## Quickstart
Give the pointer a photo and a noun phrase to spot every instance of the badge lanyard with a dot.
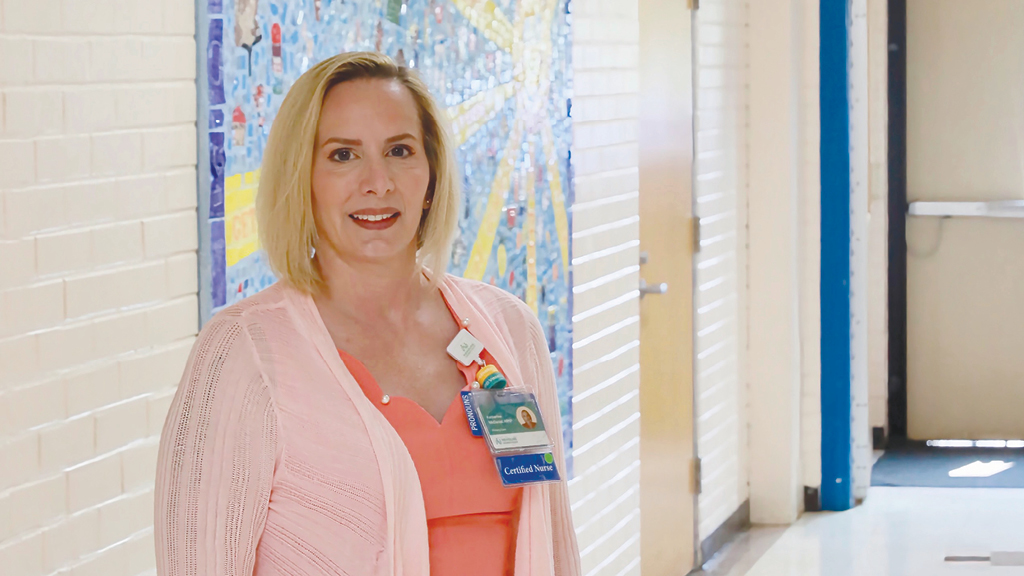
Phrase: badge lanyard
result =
(509, 420)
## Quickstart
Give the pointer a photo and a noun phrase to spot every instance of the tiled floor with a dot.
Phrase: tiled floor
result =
(895, 532)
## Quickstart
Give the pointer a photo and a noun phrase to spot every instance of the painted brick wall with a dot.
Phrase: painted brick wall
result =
(97, 273)
(98, 276)
(605, 491)
(720, 297)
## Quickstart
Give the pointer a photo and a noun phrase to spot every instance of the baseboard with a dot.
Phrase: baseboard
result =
(878, 438)
(737, 523)
(812, 499)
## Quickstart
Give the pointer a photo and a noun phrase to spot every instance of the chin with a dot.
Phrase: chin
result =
(378, 253)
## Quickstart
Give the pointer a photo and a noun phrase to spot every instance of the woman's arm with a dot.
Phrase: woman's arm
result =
(564, 546)
(216, 459)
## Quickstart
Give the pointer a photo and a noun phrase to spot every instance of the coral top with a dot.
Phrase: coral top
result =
(470, 515)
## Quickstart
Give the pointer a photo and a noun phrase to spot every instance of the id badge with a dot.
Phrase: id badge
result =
(511, 422)
(509, 419)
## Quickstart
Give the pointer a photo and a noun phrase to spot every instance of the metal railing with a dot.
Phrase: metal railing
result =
(993, 209)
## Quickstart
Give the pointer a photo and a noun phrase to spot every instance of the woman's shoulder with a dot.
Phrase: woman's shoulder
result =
(262, 309)
(491, 299)
(506, 308)
(255, 307)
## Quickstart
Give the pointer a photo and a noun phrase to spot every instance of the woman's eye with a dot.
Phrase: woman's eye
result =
(400, 152)
(342, 155)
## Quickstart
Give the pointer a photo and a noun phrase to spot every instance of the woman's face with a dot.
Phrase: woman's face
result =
(370, 172)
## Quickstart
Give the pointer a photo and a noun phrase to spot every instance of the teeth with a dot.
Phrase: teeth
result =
(377, 218)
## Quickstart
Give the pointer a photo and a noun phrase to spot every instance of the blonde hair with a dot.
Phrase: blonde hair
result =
(284, 203)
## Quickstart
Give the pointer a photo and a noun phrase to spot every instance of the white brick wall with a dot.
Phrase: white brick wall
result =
(720, 298)
(97, 273)
(605, 491)
(98, 283)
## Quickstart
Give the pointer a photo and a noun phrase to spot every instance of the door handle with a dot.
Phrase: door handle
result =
(652, 288)
(646, 288)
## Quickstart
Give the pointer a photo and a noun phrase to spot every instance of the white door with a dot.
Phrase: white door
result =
(965, 274)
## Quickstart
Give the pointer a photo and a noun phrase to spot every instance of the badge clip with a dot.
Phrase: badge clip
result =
(466, 349)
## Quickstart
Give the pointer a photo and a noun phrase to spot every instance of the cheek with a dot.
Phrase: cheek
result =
(327, 187)
(416, 178)
(327, 195)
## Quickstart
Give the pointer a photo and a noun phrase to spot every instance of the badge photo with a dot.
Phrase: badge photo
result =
(510, 419)
(526, 417)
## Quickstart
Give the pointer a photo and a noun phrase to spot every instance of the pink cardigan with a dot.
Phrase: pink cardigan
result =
(272, 461)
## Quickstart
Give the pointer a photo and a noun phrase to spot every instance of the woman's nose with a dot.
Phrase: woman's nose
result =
(377, 179)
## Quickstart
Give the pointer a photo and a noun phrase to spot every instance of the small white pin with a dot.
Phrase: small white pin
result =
(385, 400)
(465, 322)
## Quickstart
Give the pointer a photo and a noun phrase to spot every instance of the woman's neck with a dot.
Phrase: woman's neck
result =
(388, 291)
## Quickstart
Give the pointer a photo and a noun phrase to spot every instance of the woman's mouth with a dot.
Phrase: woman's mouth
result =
(375, 221)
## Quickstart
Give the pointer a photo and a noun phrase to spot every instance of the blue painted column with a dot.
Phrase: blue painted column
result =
(836, 392)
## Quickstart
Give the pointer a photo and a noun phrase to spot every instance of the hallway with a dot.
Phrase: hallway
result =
(760, 238)
(895, 532)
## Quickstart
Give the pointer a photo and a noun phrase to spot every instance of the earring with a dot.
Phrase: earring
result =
(312, 252)
(427, 203)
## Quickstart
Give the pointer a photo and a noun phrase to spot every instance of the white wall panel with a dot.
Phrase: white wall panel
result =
(720, 187)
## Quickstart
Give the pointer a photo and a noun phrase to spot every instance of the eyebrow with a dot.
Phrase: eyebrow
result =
(351, 142)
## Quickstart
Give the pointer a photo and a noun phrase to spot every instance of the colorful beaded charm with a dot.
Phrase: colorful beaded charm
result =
(490, 378)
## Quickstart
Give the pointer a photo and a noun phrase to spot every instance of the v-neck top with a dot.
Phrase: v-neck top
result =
(470, 514)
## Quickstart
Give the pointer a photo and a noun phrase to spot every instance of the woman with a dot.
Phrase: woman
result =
(318, 428)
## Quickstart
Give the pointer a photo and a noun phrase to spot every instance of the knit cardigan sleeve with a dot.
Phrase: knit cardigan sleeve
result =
(216, 459)
(537, 368)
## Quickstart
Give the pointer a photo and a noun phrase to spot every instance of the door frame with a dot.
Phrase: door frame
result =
(698, 545)
(897, 167)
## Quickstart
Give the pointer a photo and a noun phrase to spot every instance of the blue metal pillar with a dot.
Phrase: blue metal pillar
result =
(836, 391)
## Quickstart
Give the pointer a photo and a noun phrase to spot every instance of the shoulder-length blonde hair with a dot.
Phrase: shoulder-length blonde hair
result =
(284, 203)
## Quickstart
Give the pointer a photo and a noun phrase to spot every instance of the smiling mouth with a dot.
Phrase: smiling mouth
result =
(373, 218)
(375, 221)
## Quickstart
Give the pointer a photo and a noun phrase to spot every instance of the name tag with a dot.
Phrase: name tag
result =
(474, 424)
(522, 469)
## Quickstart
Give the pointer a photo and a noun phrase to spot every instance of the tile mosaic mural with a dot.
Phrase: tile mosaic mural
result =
(502, 68)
